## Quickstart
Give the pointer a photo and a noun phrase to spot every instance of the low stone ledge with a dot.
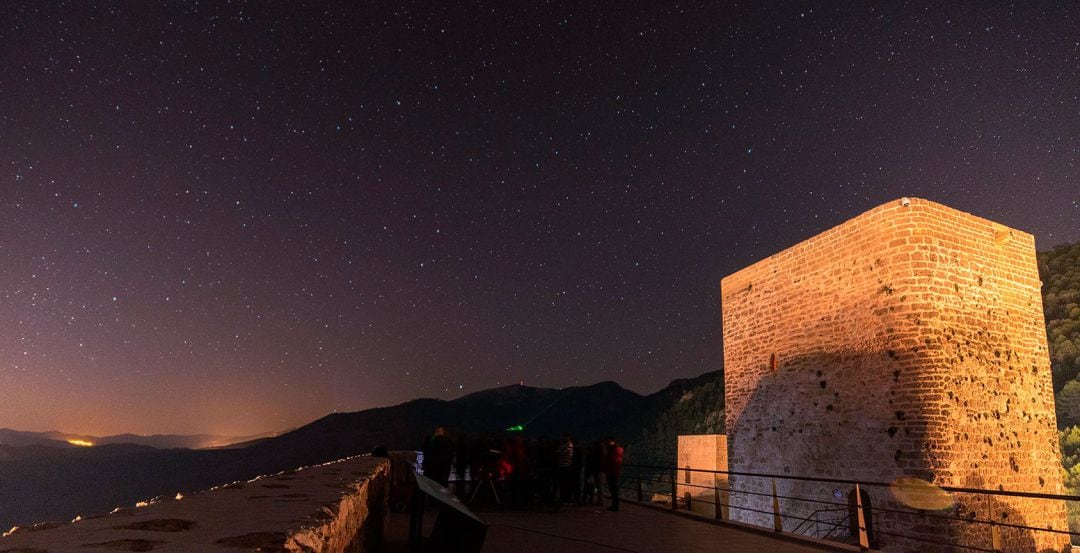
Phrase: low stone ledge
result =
(337, 507)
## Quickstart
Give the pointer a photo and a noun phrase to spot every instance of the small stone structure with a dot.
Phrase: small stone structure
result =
(338, 507)
(703, 490)
(908, 341)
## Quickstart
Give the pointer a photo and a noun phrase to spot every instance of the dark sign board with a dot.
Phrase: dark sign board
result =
(456, 529)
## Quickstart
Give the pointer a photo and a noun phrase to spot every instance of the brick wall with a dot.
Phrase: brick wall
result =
(908, 341)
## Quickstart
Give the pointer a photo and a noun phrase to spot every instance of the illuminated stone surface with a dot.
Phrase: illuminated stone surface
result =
(702, 452)
(908, 341)
(330, 508)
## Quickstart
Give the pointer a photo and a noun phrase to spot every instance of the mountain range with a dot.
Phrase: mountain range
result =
(44, 478)
(160, 441)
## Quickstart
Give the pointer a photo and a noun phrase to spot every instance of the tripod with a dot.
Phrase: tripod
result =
(490, 481)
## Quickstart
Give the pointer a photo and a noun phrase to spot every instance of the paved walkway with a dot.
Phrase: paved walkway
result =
(634, 529)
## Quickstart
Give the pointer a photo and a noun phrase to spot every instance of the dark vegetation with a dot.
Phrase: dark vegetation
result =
(686, 406)
(1059, 270)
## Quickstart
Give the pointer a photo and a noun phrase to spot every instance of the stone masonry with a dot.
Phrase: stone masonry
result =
(703, 490)
(338, 507)
(908, 341)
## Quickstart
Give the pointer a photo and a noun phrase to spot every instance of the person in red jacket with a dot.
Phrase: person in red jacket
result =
(613, 456)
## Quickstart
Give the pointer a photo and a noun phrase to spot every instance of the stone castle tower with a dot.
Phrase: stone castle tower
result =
(908, 341)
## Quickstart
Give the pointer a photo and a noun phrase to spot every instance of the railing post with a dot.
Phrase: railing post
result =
(864, 540)
(640, 493)
(995, 532)
(725, 501)
(675, 490)
(718, 508)
(778, 523)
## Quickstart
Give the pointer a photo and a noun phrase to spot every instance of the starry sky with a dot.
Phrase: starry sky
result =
(237, 217)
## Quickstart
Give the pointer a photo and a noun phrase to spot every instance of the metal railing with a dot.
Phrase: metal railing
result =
(860, 525)
(829, 529)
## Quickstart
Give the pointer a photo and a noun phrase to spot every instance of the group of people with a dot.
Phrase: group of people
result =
(525, 471)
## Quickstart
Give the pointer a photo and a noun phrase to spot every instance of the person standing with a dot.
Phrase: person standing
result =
(613, 461)
(461, 465)
(438, 456)
(565, 461)
(517, 457)
(594, 466)
(575, 473)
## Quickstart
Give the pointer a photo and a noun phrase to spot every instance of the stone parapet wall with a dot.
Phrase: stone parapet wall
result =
(908, 341)
(337, 507)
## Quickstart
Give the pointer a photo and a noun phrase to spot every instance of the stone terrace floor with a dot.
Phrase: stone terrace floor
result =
(634, 528)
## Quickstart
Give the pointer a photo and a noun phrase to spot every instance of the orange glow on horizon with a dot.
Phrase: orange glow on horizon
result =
(80, 443)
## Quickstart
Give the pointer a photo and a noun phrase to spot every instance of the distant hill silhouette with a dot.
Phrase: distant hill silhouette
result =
(160, 441)
(50, 480)
(9, 437)
(586, 412)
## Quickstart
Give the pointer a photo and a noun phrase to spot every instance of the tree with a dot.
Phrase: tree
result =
(1059, 270)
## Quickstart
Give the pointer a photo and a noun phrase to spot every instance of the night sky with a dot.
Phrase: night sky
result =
(238, 217)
